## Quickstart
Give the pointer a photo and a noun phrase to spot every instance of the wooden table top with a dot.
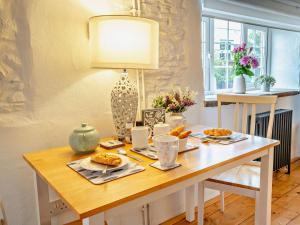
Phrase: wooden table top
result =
(87, 199)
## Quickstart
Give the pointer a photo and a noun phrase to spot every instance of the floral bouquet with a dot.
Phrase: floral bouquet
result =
(244, 61)
(176, 101)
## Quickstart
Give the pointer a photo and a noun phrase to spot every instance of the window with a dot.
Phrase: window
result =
(226, 35)
(219, 37)
(256, 37)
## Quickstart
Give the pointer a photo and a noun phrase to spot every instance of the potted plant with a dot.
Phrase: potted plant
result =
(176, 101)
(243, 62)
(265, 81)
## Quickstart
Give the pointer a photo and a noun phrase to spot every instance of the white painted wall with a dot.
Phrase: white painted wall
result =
(63, 91)
(285, 58)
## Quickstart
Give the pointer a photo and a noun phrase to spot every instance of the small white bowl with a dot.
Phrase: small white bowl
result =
(182, 144)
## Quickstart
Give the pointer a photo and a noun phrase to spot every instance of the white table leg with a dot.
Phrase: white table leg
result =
(42, 199)
(97, 219)
(265, 195)
(190, 203)
(201, 203)
(222, 201)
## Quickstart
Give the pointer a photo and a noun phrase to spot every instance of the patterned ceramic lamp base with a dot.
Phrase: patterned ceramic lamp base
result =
(124, 104)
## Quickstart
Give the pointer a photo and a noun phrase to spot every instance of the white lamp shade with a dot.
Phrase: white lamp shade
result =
(124, 42)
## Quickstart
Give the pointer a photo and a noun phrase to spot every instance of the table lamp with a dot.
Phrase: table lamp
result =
(124, 42)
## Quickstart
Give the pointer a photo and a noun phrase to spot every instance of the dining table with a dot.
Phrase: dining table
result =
(62, 195)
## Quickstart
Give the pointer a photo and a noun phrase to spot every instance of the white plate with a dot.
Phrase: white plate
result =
(88, 164)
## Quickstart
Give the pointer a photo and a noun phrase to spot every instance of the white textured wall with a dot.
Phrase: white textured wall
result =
(285, 58)
(62, 91)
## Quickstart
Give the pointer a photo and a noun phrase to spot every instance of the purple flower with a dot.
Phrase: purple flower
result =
(187, 102)
(172, 106)
(245, 60)
(254, 63)
(235, 50)
(243, 45)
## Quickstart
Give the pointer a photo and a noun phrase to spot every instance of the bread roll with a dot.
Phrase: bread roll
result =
(107, 159)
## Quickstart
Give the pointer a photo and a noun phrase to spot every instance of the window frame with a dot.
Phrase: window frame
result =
(247, 27)
(209, 85)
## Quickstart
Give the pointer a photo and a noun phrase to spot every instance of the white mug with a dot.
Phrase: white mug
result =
(161, 128)
(140, 136)
(167, 147)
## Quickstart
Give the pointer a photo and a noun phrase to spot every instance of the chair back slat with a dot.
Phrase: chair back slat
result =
(233, 98)
(253, 119)
(219, 114)
(236, 116)
(244, 101)
(245, 118)
(271, 121)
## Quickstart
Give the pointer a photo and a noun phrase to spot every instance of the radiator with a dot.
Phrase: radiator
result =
(282, 131)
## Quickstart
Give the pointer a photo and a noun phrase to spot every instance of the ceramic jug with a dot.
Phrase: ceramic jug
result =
(84, 139)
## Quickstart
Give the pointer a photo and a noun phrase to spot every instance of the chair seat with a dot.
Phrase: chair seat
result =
(244, 176)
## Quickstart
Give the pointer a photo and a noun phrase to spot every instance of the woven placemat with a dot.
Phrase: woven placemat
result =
(227, 141)
(97, 177)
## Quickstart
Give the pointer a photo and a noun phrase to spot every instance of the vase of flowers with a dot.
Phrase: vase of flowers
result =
(243, 62)
(176, 101)
(266, 82)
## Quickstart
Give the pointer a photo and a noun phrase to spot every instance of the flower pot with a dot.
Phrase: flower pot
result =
(239, 85)
(175, 120)
(265, 87)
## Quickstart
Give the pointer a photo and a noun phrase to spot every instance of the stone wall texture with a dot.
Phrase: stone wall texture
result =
(11, 86)
(171, 15)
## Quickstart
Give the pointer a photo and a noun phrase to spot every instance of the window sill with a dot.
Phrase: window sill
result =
(211, 100)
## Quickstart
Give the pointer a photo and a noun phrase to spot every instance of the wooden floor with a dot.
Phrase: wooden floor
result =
(240, 210)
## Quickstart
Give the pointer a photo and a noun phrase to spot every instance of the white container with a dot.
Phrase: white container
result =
(167, 147)
(182, 144)
(265, 87)
(161, 128)
(239, 85)
(175, 121)
(140, 136)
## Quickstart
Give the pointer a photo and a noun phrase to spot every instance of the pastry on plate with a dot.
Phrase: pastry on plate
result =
(109, 159)
(217, 132)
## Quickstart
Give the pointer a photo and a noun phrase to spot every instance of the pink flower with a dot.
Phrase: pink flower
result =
(235, 50)
(243, 45)
(254, 63)
(245, 60)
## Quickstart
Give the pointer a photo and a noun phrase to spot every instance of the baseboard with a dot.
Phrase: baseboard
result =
(295, 159)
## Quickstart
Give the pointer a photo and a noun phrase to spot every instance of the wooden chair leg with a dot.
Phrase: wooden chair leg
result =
(222, 204)
(256, 208)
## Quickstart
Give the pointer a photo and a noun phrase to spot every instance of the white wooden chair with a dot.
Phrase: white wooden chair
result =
(245, 179)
